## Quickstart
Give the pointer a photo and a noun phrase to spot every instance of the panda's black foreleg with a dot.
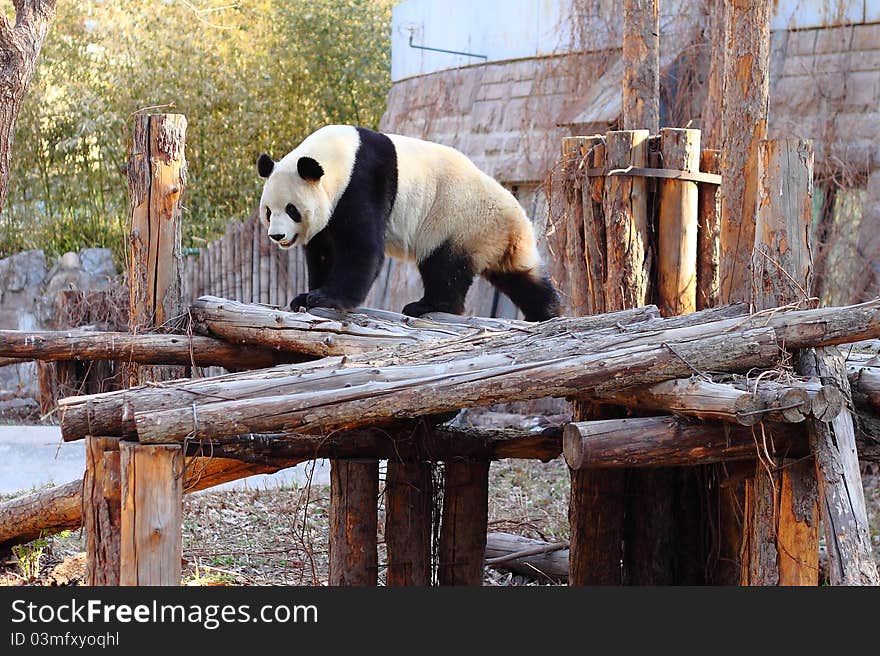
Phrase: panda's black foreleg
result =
(319, 259)
(447, 274)
(532, 292)
(354, 265)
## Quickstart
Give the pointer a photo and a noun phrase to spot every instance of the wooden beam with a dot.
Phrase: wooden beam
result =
(463, 529)
(150, 537)
(185, 350)
(661, 442)
(708, 232)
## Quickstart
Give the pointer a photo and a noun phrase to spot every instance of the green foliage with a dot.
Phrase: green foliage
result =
(28, 557)
(251, 76)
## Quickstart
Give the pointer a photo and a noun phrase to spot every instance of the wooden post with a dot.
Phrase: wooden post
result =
(781, 525)
(641, 55)
(677, 232)
(354, 493)
(102, 494)
(156, 179)
(626, 221)
(716, 37)
(842, 496)
(408, 522)
(744, 125)
(463, 529)
(708, 233)
(152, 494)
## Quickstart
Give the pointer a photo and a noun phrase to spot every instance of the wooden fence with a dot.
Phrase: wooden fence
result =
(245, 266)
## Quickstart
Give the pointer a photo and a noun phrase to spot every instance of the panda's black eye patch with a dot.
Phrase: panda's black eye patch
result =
(293, 213)
(268, 214)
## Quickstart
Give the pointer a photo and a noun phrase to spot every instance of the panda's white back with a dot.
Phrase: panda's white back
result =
(442, 196)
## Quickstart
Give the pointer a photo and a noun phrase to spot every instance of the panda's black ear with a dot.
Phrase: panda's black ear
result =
(309, 169)
(265, 164)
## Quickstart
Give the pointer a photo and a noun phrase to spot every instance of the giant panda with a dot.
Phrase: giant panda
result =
(350, 195)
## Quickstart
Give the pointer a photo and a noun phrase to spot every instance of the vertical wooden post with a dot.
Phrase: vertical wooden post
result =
(716, 35)
(102, 494)
(708, 233)
(781, 527)
(744, 125)
(156, 180)
(408, 507)
(354, 494)
(152, 495)
(641, 76)
(463, 530)
(626, 222)
(677, 232)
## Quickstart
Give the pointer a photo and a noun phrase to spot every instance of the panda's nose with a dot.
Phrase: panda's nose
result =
(278, 236)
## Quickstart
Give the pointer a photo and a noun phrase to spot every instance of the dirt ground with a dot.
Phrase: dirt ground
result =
(280, 536)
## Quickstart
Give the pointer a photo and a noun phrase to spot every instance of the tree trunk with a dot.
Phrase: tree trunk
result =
(463, 529)
(409, 495)
(20, 45)
(354, 493)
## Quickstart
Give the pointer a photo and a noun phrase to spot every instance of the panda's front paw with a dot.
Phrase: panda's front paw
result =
(317, 298)
(417, 309)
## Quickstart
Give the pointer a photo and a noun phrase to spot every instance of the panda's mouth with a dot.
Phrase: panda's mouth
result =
(287, 243)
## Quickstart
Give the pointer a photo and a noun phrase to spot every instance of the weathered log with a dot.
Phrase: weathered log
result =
(743, 124)
(865, 383)
(663, 441)
(844, 515)
(40, 513)
(533, 558)
(562, 366)
(151, 348)
(463, 529)
(102, 414)
(409, 495)
(641, 56)
(150, 542)
(781, 266)
(354, 492)
(404, 442)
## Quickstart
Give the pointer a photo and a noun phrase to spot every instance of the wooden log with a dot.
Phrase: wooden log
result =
(40, 513)
(354, 491)
(677, 230)
(708, 231)
(743, 124)
(641, 56)
(865, 383)
(842, 497)
(661, 441)
(65, 346)
(102, 510)
(717, 34)
(533, 558)
(568, 264)
(402, 442)
(463, 529)
(409, 497)
(626, 226)
(782, 273)
(150, 537)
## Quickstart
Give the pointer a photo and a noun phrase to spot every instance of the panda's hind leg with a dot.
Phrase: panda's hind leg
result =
(532, 291)
(447, 275)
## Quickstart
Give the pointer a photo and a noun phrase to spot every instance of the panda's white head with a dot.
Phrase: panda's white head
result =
(294, 205)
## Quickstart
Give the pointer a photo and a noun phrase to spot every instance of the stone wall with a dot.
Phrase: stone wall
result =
(29, 285)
